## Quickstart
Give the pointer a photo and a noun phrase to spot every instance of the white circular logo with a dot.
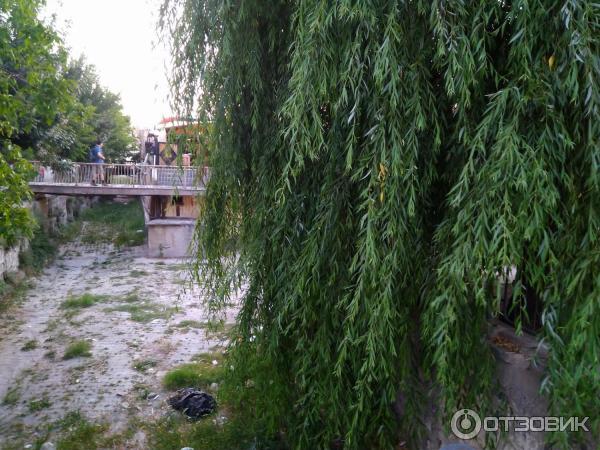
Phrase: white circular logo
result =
(466, 424)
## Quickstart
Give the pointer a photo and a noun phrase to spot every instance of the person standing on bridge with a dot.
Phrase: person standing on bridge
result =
(97, 158)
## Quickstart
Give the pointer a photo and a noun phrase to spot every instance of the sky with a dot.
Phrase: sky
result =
(119, 37)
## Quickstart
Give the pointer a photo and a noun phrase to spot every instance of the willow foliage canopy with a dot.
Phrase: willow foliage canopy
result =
(375, 165)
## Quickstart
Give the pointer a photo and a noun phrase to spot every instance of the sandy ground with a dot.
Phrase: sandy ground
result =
(104, 387)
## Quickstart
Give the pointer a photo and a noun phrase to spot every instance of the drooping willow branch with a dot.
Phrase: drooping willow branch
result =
(375, 165)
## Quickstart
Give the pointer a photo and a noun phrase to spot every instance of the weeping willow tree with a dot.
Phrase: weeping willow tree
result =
(375, 166)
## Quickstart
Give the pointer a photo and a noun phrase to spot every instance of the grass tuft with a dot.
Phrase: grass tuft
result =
(30, 345)
(78, 349)
(81, 434)
(143, 312)
(199, 374)
(12, 397)
(38, 405)
(191, 324)
(138, 273)
(144, 365)
(83, 301)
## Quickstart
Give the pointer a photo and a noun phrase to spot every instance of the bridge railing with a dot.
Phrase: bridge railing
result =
(122, 175)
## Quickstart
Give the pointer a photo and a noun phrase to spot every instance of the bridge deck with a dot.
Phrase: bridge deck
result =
(119, 179)
(113, 189)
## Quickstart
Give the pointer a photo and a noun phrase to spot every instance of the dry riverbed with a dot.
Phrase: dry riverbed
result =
(93, 337)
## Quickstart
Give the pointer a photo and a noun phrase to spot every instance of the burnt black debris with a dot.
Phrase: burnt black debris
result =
(193, 403)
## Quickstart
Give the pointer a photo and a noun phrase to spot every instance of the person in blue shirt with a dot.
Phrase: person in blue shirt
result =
(97, 158)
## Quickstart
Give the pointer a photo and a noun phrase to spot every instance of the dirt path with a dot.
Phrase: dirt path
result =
(144, 319)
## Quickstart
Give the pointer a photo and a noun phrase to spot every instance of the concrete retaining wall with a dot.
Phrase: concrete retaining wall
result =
(170, 238)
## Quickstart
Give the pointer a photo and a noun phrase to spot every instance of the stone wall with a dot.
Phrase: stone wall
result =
(53, 211)
(9, 259)
(520, 366)
(58, 210)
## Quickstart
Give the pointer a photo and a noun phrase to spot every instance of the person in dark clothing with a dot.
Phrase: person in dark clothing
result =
(97, 158)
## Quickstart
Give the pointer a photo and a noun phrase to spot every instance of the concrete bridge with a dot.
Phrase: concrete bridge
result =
(120, 179)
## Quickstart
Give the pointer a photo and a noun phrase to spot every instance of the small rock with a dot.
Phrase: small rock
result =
(15, 278)
(215, 362)
(125, 405)
(220, 420)
(48, 446)
(187, 448)
(28, 446)
(214, 386)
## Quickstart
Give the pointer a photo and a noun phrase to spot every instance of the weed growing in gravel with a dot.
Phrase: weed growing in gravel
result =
(78, 349)
(138, 273)
(144, 365)
(12, 397)
(30, 345)
(83, 301)
(191, 324)
(200, 373)
(145, 312)
(39, 404)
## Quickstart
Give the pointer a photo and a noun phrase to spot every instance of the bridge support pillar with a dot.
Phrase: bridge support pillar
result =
(170, 238)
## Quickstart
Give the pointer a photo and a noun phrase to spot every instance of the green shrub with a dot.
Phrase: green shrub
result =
(119, 223)
(42, 249)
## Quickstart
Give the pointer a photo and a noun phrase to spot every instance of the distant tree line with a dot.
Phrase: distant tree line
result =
(52, 108)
